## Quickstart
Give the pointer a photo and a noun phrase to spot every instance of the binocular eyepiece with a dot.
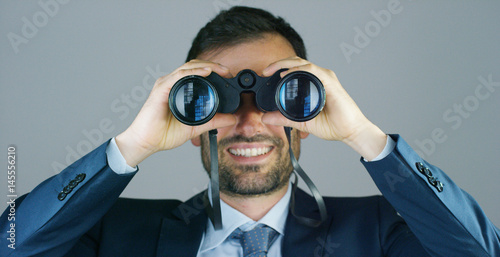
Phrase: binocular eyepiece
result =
(194, 100)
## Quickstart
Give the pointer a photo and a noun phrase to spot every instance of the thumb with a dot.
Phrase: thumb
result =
(222, 120)
(277, 119)
(218, 121)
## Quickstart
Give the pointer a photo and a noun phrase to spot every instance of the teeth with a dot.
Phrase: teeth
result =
(250, 152)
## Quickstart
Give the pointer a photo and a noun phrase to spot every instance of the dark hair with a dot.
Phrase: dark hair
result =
(241, 24)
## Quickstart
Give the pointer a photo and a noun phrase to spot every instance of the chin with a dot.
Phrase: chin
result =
(252, 184)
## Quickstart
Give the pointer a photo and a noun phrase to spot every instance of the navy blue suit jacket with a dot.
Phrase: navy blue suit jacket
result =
(78, 213)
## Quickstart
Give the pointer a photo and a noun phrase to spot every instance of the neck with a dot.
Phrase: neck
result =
(254, 207)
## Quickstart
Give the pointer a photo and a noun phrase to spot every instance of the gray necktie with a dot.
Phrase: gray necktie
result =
(257, 241)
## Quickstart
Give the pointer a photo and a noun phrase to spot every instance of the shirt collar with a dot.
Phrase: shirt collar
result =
(232, 219)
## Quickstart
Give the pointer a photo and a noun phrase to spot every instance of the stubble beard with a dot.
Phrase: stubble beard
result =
(251, 180)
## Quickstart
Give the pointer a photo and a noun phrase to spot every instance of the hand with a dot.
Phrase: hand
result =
(340, 120)
(155, 128)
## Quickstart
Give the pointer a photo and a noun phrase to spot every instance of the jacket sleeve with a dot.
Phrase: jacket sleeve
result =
(444, 218)
(50, 219)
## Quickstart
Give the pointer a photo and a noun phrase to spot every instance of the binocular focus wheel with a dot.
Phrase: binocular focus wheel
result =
(246, 80)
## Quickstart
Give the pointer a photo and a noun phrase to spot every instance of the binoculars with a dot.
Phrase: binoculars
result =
(194, 100)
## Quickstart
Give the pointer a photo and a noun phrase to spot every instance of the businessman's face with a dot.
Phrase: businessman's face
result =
(253, 156)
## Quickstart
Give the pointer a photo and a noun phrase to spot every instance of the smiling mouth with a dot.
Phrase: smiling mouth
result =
(250, 152)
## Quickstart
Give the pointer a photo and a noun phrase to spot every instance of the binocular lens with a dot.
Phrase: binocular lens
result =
(299, 98)
(195, 101)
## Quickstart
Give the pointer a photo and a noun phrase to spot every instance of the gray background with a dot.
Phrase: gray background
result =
(72, 74)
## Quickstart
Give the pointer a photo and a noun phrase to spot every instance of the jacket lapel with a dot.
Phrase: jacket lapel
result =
(181, 236)
(302, 240)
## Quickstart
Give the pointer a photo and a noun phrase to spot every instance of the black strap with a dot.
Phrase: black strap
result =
(319, 199)
(213, 211)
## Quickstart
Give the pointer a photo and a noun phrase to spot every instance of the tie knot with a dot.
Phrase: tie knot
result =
(256, 242)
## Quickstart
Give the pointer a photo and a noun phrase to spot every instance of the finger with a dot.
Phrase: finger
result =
(215, 67)
(284, 63)
(305, 67)
(166, 82)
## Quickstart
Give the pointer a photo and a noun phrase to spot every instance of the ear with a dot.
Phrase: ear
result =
(303, 135)
(196, 141)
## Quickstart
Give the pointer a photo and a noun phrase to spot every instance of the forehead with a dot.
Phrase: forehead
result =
(256, 54)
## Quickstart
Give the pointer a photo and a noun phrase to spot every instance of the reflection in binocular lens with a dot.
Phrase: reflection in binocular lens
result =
(299, 97)
(195, 101)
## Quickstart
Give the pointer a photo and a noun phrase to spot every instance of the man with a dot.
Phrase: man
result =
(76, 213)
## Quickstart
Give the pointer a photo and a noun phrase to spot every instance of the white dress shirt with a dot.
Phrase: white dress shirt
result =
(215, 243)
